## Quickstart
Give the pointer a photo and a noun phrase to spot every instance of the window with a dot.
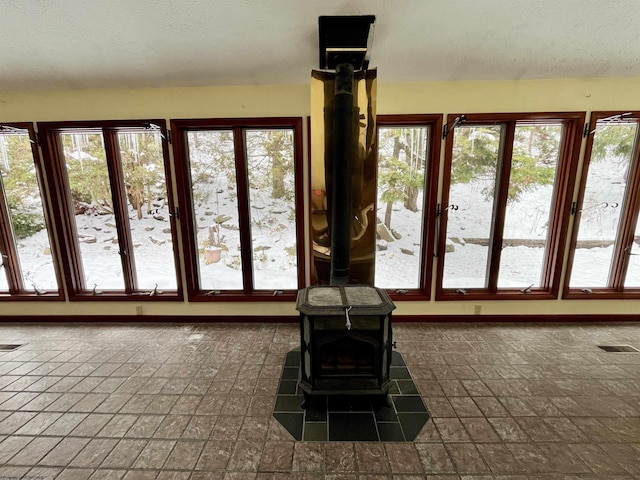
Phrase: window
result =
(112, 194)
(27, 265)
(408, 151)
(507, 188)
(240, 188)
(606, 241)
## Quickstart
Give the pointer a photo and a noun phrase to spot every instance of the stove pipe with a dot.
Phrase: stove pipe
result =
(341, 174)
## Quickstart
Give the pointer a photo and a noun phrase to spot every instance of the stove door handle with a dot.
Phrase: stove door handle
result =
(346, 314)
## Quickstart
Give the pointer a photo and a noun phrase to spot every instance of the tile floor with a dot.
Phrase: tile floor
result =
(508, 402)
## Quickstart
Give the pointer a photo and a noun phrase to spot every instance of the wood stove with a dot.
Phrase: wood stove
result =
(346, 340)
(345, 327)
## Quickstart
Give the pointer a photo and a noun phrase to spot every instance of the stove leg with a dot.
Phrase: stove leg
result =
(305, 400)
(387, 400)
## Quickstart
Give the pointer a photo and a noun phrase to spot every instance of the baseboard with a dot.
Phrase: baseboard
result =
(551, 318)
(538, 318)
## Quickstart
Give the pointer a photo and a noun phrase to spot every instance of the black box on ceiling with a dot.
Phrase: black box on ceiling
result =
(345, 39)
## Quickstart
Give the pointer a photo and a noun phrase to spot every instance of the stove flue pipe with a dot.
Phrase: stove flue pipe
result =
(341, 175)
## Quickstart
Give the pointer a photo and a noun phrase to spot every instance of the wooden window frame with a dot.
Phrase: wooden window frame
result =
(17, 290)
(181, 127)
(434, 123)
(626, 228)
(63, 215)
(560, 210)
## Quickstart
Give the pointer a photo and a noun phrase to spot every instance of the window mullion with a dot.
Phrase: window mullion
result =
(116, 178)
(46, 206)
(500, 205)
(242, 179)
(429, 230)
(442, 216)
(560, 199)
(63, 210)
(628, 220)
(8, 253)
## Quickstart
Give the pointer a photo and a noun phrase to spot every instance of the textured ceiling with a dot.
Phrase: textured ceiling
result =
(68, 44)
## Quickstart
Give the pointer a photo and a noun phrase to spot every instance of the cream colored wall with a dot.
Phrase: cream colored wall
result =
(204, 102)
(293, 100)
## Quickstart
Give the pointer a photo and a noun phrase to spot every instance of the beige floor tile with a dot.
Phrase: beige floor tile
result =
(508, 402)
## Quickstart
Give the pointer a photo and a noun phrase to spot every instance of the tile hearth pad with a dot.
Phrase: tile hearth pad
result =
(351, 418)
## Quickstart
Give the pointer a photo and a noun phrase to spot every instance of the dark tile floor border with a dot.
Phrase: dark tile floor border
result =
(351, 418)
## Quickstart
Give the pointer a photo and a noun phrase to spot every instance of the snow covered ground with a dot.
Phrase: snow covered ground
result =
(465, 266)
(274, 245)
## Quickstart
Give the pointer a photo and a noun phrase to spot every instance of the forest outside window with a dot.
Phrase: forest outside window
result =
(605, 254)
(27, 265)
(505, 205)
(407, 173)
(240, 185)
(111, 187)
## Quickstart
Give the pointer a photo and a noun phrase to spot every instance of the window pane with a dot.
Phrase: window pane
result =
(534, 162)
(26, 215)
(148, 209)
(401, 178)
(603, 198)
(93, 204)
(632, 279)
(270, 165)
(470, 210)
(215, 206)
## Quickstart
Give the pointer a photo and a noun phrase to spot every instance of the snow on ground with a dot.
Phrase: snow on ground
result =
(274, 245)
(465, 266)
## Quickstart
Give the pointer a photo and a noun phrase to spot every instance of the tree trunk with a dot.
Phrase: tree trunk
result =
(411, 202)
(396, 146)
(411, 199)
(274, 144)
(277, 179)
(387, 215)
(136, 199)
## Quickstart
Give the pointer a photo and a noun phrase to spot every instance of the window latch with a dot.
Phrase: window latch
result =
(453, 124)
(526, 290)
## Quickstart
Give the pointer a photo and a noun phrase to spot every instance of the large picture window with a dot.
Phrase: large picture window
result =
(114, 207)
(27, 262)
(408, 150)
(505, 205)
(240, 187)
(606, 242)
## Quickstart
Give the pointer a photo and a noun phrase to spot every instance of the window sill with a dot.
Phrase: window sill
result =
(89, 296)
(453, 295)
(31, 297)
(602, 294)
(230, 296)
(407, 295)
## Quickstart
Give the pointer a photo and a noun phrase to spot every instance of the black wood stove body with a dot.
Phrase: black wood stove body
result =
(346, 340)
